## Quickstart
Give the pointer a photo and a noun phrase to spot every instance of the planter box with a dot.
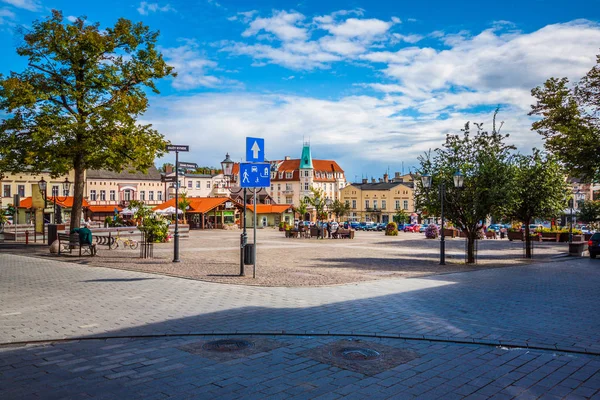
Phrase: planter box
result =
(577, 238)
(462, 234)
(515, 236)
(564, 237)
(551, 236)
(450, 232)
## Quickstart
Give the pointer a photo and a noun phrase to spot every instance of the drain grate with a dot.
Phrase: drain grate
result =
(357, 354)
(227, 345)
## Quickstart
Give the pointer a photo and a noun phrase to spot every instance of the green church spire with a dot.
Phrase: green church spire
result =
(306, 159)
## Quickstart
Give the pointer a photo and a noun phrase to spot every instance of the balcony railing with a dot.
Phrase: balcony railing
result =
(373, 209)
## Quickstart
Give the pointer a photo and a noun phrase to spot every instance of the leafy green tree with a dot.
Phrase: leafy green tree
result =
(301, 210)
(483, 158)
(570, 124)
(339, 208)
(184, 203)
(589, 212)
(538, 190)
(401, 216)
(317, 200)
(76, 103)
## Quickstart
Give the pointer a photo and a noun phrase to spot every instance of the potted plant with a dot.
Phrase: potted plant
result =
(515, 233)
(432, 231)
(391, 229)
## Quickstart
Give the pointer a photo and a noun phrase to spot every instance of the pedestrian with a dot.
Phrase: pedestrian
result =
(329, 229)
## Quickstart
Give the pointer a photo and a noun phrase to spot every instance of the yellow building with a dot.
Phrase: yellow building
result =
(378, 200)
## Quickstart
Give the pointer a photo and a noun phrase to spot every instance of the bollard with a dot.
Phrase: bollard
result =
(26, 237)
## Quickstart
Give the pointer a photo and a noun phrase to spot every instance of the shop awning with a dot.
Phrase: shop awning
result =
(104, 209)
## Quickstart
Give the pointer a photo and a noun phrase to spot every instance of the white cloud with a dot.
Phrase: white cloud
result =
(192, 68)
(353, 28)
(412, 39)
(146, 8)
(282, 24)
(31, 5)
(6, 15)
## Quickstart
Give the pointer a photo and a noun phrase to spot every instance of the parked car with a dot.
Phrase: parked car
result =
(415, 228)
(354, 225)
(495, 227)
(594, 245)
(362, 226)
(408, 227)
(381, 226)
(370, 226)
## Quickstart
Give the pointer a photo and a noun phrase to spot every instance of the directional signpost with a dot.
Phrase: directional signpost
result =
(177, 149)
(187, 165)
(254, 173)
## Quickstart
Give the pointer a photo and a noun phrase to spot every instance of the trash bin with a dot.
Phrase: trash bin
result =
(52, 233)
(249, 254)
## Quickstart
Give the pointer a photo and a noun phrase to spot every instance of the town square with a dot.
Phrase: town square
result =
(317, 200)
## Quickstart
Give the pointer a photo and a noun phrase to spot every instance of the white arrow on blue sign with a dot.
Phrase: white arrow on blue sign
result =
(254, 175)
(255, 149)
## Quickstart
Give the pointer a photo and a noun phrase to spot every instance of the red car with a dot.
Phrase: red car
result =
(412, 228)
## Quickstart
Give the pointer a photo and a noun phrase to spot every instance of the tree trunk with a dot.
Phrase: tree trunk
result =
(78, 187)
(471, 237)
(527, 240)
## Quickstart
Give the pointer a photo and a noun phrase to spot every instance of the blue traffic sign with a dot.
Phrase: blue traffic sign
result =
(255, 175)
(255, 149)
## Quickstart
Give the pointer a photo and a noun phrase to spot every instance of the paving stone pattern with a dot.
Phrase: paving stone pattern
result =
(157, 369)
(547, 305)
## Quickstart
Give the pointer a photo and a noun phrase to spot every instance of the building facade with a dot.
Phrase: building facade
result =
(379, 200)
(199, 185)
(292, 179)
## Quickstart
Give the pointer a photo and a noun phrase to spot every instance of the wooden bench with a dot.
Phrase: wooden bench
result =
(68, 242)
(345, 233)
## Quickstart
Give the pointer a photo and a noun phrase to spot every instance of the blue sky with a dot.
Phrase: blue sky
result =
(371, 84)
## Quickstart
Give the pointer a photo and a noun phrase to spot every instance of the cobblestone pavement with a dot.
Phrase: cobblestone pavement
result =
(543, 306)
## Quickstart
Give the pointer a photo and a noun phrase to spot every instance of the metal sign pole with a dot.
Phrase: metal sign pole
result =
(254, 261)
(176, 235)
(244, 237)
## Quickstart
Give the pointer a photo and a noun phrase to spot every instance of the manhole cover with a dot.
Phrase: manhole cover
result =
(227, 345)
(357, 353)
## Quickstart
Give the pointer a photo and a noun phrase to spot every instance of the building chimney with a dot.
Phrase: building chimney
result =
(168, 169)
(397, 175)
(373, 180)
(385, 178)
(365, 180)
(287, 158)
(380, 180)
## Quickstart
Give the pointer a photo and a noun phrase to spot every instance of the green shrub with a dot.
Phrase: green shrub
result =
(391, 229)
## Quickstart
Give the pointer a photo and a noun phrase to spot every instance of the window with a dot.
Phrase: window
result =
(127, 195)
(288, 175)
(112, 195)
(143, 195)
(267, 201)
(271, 187)
(6, 191)
(190, 184)
(280, 175)
(208, 185)
(151, 195)
(317, 174)
(278, 200)
(54, 191)
(288, 200)
(279, 187)
(405, 204)
(92, 195)
(307, 200)
(21, 190)
(288, 186)
(354, 204)
(347, 203)
(366, 203)
(383, 204)
(103, 195)
(397, 204)
(159, 195)
(198, 184)
(330, 186)
(305, 185)
(375, 204)
(65, 192)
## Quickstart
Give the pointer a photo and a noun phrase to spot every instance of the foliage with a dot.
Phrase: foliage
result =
(206, 171)
(391, 229)
(156, 228)
(538, 191)
(75, 106)
(339, 208)
(570, 124)
(10, 210)
(589, 211)
(184, 203)
(302, 209)
(317, 200)
(401, 216)
(483, 158)
(432, 231)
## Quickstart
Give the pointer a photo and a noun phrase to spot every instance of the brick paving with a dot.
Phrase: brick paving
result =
(546, 305)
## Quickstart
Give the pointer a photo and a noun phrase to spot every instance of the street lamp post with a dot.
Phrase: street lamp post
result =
(227, 166)
(458, 183)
